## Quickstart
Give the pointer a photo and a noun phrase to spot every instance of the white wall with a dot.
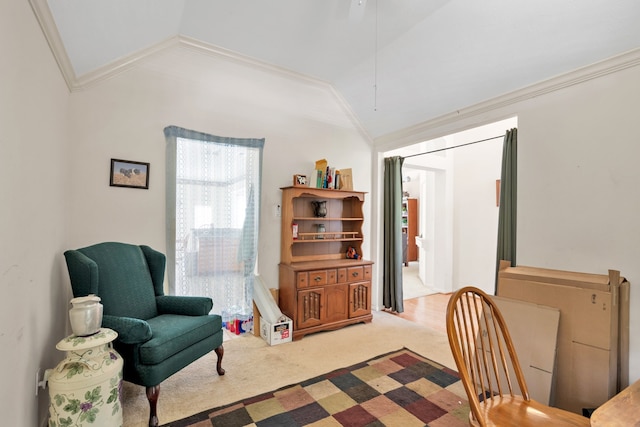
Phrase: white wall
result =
(33, 172)
(578, 198)
(124, 117)
(475, 224)
(577, 171)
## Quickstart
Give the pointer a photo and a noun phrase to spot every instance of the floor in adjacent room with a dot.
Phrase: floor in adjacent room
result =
(422, 304)
(428, 311)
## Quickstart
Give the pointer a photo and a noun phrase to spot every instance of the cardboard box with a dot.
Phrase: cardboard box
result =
(276, 333)
(534, 332)
(592, 361)
(257, 315)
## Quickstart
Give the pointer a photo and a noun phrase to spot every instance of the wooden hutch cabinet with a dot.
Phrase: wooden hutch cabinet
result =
(320, 289)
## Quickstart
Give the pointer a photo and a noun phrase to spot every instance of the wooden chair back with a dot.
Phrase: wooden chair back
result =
(483, 350)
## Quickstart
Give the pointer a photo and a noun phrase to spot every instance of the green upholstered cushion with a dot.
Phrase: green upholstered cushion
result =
(130, 330)
(173, 333)
(186, 305)
(124, 280)
(150, 375)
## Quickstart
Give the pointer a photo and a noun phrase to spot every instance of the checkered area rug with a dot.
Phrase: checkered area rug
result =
(401, 388)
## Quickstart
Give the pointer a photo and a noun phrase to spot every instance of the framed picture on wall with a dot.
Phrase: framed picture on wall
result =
(129, 173)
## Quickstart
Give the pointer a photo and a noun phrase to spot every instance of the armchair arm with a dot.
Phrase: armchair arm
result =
(188, 306)
(130, 330)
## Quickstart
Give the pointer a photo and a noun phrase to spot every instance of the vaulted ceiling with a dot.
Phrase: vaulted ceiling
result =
(397, 63)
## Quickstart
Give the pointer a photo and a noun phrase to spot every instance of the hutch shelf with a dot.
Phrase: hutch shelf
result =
(320, 289)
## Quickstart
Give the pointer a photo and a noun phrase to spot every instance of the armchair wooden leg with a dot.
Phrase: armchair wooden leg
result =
(152, 396)
(220, 352)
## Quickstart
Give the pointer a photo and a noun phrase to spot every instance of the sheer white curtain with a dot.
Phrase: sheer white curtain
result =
(213, 199)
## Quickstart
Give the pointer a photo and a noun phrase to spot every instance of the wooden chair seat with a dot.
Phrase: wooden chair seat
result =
(515, 411)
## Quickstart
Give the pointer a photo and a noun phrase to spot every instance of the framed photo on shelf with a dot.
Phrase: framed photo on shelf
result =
(129, 173)
(300, 180)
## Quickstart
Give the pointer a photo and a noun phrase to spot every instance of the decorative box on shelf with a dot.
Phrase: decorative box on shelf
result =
(300, 180)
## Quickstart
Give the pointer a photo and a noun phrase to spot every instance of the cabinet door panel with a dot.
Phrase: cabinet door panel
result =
(310, 308)
(359, 299)
(336, 303)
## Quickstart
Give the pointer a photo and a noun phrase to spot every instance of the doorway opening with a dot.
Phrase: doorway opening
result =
(457, 214)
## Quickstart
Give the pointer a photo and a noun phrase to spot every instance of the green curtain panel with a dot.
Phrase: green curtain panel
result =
(392, 268)
(508, 201)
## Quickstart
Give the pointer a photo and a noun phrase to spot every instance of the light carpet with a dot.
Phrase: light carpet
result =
(253, 367)
(401, 388)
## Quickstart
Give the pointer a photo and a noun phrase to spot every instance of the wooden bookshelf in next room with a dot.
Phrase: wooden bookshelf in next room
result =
(319, 287)
(410, 229)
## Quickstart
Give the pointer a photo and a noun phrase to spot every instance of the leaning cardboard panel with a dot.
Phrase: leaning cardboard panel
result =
(534, 332)
(533, 329)
(592, 364)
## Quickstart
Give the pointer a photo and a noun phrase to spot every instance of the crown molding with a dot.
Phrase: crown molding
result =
(78, 83)
(48, 26)
(123, 64)
(441, 125)
(216, 51)
(202, 47)
(179, 41)
(424, 131)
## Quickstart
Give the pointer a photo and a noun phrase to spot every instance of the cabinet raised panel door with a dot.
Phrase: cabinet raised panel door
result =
(359, 299)
(310, 308)
(337, 303)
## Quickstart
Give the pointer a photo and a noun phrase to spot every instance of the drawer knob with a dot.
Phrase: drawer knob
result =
(354, 274)
(317, 278)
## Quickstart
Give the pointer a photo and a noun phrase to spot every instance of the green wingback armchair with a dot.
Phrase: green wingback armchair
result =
(158, 334)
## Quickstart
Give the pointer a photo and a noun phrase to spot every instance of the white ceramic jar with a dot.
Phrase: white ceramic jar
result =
(85, 315)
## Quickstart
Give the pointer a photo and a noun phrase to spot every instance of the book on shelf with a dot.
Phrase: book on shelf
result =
(326, 176)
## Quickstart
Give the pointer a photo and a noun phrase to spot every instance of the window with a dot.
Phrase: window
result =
(213, 200)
